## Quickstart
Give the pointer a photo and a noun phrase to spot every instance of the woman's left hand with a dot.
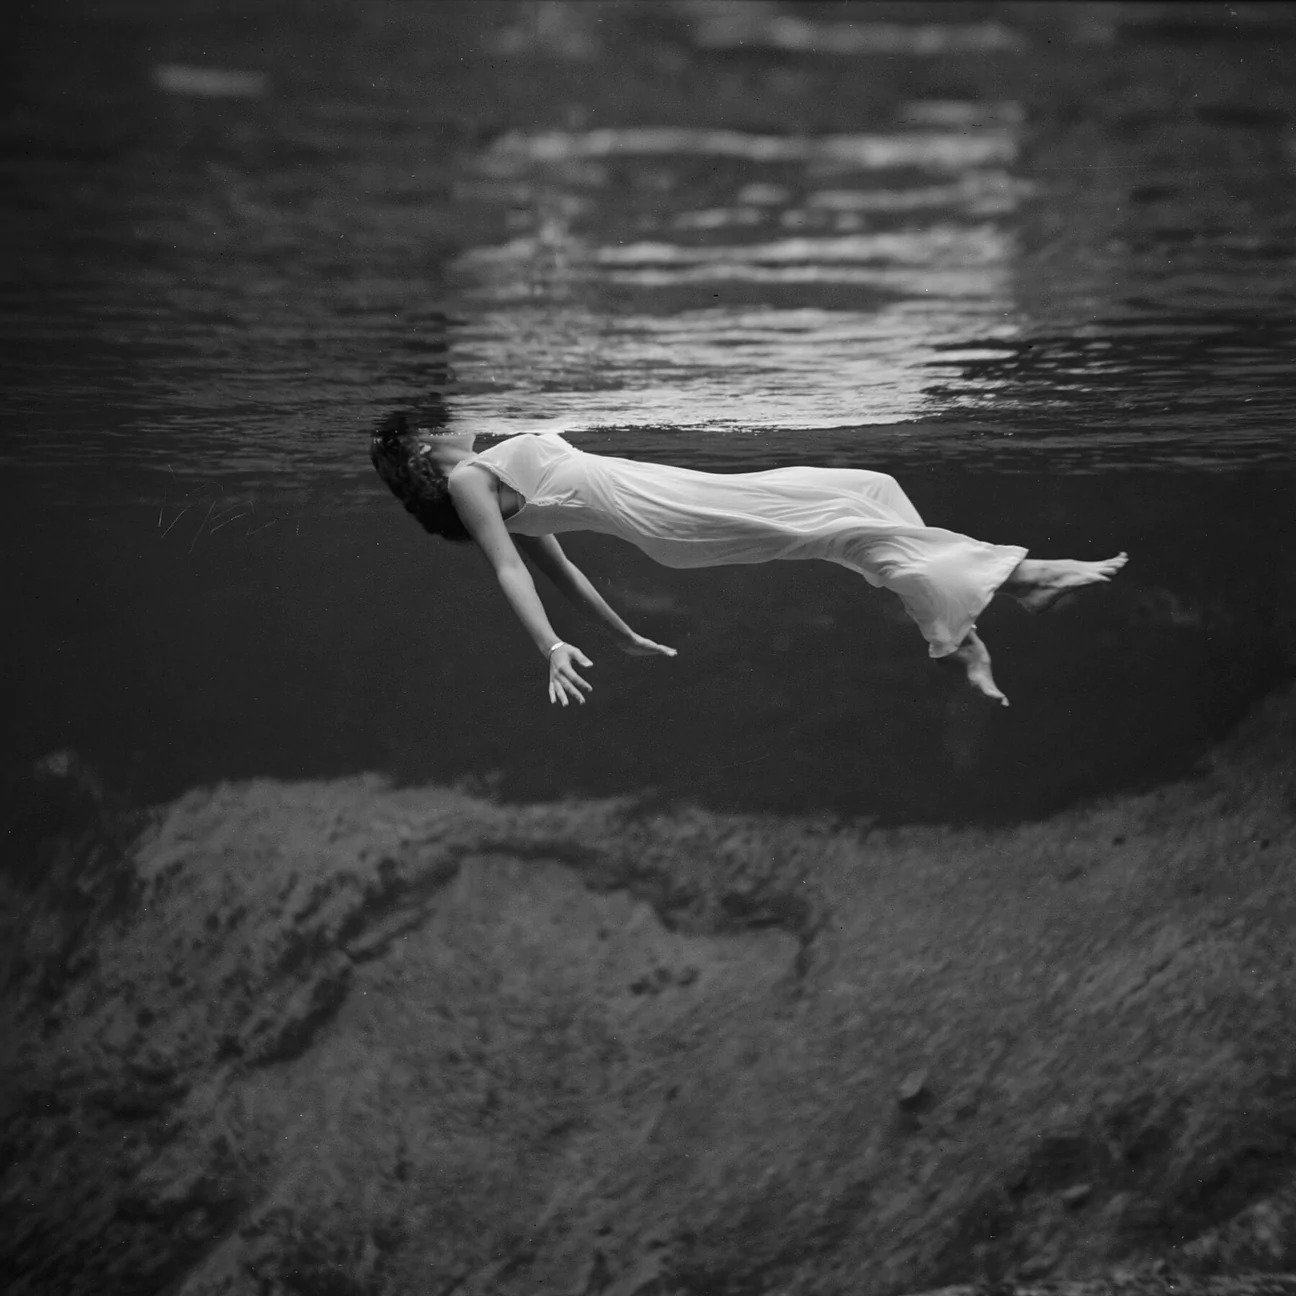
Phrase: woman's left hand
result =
(637, 646)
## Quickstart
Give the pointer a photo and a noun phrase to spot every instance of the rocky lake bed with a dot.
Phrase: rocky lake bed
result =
(343, 1036)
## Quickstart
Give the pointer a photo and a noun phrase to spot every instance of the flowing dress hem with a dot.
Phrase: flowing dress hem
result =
(943, 642)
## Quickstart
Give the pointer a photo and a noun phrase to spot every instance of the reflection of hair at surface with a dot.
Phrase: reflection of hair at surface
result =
(399, 454)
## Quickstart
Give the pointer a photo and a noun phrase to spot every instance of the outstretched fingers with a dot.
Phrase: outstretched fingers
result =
(563, 690)
(637, 645)
(661, 650)
(565, 681)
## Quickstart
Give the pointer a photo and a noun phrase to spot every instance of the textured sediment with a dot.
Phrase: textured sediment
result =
(347, 1038)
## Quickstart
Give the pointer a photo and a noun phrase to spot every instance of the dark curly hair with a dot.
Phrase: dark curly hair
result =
(400, 454)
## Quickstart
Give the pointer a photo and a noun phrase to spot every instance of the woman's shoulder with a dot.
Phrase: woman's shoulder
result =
(533, 436)
(525, 461)
(528, 445)
(459, 479)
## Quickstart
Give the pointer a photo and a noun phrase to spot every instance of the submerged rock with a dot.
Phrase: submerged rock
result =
(912, 1092)
(339, 1037)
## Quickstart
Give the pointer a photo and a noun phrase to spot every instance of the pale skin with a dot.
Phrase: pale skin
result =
(483, 503)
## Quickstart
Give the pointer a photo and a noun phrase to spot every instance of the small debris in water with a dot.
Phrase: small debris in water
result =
(209, 83)
(912, 1091)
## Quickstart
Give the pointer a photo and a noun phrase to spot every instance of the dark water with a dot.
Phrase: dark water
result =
(1038, 261)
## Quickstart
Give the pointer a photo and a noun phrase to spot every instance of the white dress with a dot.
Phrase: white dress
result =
(685, 518)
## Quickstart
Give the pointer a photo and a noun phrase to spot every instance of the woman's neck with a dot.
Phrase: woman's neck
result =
(448, 450)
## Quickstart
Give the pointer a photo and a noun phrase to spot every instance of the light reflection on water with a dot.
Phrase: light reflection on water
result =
(865, 308)
(824, 154)
(271, 272)
(799, 368)
(1010, 258)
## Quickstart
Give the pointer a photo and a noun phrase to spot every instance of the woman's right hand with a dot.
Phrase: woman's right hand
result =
(637, 645)
(564, 681)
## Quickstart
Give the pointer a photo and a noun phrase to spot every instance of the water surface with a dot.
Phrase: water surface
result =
(1037, 261)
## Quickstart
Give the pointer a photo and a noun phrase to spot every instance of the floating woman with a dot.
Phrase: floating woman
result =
(517, 496)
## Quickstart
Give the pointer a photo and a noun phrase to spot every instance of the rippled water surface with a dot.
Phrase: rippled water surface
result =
(1039, 261)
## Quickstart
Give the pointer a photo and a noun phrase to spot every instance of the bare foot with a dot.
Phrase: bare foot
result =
(1038, 583)
(976, 661)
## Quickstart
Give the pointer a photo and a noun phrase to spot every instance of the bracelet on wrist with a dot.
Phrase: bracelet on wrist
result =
(554, 649)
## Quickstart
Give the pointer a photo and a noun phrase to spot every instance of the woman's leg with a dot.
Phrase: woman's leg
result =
(946, 579)
(1037, 584)
(974, 657)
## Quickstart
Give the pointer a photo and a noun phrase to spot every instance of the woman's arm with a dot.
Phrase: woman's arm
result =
(575, 586)
(572, 583)
(476, 503)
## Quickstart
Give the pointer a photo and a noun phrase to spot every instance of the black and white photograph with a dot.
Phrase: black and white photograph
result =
(649, 648)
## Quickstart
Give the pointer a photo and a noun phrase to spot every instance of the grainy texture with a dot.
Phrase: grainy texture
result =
(344, 1038)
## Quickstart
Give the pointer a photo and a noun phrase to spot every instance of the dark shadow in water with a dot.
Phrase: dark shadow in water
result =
(208, 300)
(343, 638)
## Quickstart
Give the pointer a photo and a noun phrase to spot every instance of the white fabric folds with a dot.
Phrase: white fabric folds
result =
(684, 518)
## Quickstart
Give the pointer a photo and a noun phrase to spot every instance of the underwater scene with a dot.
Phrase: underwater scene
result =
(337, 960)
